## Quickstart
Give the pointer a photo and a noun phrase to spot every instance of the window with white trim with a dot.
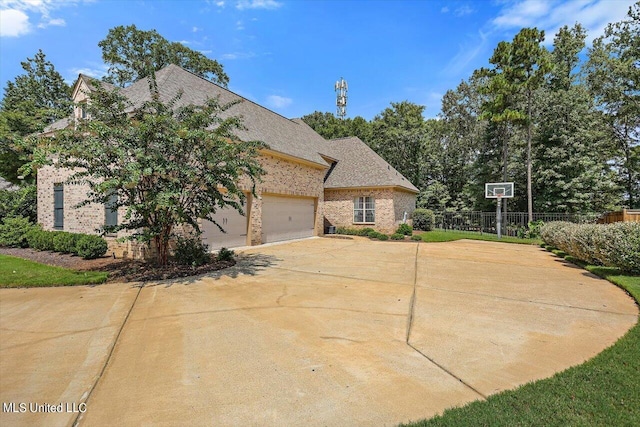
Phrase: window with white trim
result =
(364, 210)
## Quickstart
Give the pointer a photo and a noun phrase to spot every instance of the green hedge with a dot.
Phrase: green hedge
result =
(611, 245)
(14, 230)
(405, 229)
(88, 246)
(423, 219)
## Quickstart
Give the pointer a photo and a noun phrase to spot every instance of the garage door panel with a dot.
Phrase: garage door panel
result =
(234, 224)
(286, 218)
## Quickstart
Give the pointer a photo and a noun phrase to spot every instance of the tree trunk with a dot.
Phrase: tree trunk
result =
(505, 158)
(529, 190)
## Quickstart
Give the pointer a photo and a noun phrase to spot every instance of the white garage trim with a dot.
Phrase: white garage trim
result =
(232, 222)
(287, 218)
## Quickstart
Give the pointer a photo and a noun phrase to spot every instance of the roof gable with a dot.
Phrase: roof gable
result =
(359, 166)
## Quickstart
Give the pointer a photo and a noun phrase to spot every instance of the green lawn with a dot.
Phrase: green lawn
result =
(451, 235)
(604, 391)
(18, 272)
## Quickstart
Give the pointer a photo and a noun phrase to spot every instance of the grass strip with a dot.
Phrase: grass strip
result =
(604, 391)
(17, 272)
(449, 236)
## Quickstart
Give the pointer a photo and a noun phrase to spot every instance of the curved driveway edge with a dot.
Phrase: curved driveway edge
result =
(312, 332)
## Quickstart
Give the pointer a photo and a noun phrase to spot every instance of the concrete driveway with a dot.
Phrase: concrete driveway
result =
(316, 332)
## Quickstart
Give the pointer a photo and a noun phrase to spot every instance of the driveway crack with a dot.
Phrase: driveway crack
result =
(412, 304)
(76, 421)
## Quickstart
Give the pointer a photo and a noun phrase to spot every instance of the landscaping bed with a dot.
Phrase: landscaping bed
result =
(120, 270)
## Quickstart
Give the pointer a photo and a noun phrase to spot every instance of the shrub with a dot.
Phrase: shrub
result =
(13, 232)
(91, 247)
(372, 234)
(40, 239)
(405, 229)
(20, 202)
(354, 231)
(397, 236)
(416, 237)
(191, 251)
(65, 242)
(365, 231)
(423, 219)
(225, 254)
(611, 245)
(382, 237)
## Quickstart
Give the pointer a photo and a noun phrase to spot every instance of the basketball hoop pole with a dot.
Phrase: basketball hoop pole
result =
(499, 216)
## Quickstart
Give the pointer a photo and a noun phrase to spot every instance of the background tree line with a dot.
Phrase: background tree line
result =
(566, 131)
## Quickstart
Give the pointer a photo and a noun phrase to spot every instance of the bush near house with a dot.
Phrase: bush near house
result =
(354, 231)
(87, 246)
(423, 219)
(19, 203)
(611, 245)
(397, 236)
(90, 246)
(405, 229)
(14, 230)
(191, 251)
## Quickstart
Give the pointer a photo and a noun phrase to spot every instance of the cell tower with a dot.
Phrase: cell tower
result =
(341, 97)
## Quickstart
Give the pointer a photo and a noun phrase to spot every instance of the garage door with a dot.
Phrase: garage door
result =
(286, 218)
(232, 222)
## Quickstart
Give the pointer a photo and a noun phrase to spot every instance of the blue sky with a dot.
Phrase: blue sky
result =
(287, 54)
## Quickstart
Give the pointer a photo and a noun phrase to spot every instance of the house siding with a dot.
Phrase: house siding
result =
(338, 208)
(282, 177)
(403, 201)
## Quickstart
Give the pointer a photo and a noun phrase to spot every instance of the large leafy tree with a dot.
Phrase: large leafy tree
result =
(169, 166)
(572, 174)
(31, 102)
(330, 127)
(399, 135)
(613, 75)
(131, 54)
(519, 68)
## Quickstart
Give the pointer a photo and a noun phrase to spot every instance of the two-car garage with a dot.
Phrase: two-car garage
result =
(283, 218)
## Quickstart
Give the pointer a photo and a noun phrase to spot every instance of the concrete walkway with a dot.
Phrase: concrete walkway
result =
(316, 332)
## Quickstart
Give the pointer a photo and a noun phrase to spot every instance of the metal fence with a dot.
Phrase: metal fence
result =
(513, 223)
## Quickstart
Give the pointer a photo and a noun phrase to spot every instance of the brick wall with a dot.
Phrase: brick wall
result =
(338, 208)
(403, 201)
(282, 177)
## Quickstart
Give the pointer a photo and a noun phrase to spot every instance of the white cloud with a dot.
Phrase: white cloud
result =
(239, 25)
(550, 15)
(97, 73)
(196, 29)
(275, 101)
(237, 55)
(13, 23)
(57, 22)
(220, 3)
(17, 15)
(463, 10)
(258, 4)
(444, 10)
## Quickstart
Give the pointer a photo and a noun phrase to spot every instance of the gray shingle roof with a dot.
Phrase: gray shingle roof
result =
(58, 125)
(359, 166)
(281, 134)
(356, 164)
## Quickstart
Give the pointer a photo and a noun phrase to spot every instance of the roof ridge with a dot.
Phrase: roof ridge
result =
(228, 90)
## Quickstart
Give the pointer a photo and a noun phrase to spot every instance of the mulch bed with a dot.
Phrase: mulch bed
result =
(120, 270)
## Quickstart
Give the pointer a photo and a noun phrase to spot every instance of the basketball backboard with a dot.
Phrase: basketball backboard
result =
(495, 190)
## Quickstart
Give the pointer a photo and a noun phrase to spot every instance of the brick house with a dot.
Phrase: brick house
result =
(309, 185)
